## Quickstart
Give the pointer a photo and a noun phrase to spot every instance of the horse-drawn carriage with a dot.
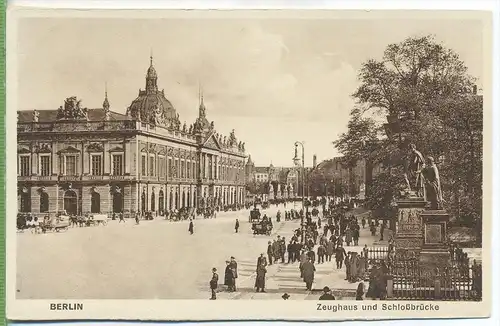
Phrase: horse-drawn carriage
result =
(54, 221)
(260, 226)
(263, 226)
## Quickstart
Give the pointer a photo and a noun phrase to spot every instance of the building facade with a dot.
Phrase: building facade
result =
(274, 182)
(100, 161)
(332, 178)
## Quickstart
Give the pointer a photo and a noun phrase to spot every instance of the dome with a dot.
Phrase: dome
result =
(152, 107)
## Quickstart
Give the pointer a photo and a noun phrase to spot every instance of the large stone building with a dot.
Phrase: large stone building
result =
(97, 160)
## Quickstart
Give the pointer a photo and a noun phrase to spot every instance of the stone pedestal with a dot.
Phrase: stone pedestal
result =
(435, 254)
(409, 232)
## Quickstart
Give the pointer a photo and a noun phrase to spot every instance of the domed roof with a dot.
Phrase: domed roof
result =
(151, 105)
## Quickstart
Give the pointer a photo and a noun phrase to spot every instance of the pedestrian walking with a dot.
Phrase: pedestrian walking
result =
(191, 227)
(237, 225)
(363, 222)
(321, 254)
(234, 270)
(270, 252)
(290, 250)
(260, 280)
(355, 236)
(348, 237)
(228, 277)
(282, 249)
(330, 248)
(327, 294)
(120, 216)
(340, 255)
(308, 271)
(214, 283)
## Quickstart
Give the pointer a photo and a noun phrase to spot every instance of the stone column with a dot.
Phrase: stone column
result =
(126, 157)
(107, 164)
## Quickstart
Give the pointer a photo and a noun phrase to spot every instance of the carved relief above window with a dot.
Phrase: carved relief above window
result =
(44, 148)
(95, 147)
(23, 150)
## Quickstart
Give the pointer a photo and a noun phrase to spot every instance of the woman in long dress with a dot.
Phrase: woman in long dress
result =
(228, 277)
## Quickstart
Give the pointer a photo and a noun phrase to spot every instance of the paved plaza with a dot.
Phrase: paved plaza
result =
(155, 259)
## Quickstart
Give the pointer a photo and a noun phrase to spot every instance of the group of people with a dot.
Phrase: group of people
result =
(230, 276)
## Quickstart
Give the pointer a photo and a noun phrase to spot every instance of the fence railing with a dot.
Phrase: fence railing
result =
(407, 280)
(449, 285)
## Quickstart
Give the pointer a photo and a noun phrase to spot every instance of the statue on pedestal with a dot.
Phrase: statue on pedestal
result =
(413, 171)
(432, 184)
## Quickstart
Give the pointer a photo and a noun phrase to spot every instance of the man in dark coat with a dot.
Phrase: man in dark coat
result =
(282, 249)
(214, 283)
(260, 280)
(308, 270)
(270, 252)
(340, 254)
(290, 249)
(191, 227)
(327, 294)
(234, 269)
(237, 225)
(321, 254)
(228, 277)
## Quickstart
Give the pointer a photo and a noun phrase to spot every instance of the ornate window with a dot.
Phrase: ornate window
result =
(70, 167)
(143, 165)
(44, 202)
(161, 166)
(176, 174)
(96, 164)
(117, 164)
(194, 173)
(188, 164)
(183, 169)
(44, 165)
(152, 165)
(24, 165)
(170, 167)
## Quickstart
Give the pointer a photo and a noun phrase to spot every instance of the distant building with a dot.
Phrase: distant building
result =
(274, 182)
(332, 178)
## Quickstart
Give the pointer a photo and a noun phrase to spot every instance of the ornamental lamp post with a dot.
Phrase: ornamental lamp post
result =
(296, 161)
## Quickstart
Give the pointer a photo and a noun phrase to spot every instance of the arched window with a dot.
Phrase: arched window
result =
(117, 202)
(44, 202)
(183, 199)
(176, 200)
(71, 202)
(189, 198)
(143, 202)
(171, 201)
(95, 202)
(25, 200)
(161, 201)
(153, 204)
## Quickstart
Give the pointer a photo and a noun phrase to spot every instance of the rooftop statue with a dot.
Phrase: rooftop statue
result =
(72, 110)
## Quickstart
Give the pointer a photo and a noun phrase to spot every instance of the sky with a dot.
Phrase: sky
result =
(274, 81)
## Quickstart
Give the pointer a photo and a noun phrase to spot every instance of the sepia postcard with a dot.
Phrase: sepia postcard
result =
(248, 165)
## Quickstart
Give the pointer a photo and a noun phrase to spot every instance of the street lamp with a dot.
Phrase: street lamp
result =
(296, 160)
